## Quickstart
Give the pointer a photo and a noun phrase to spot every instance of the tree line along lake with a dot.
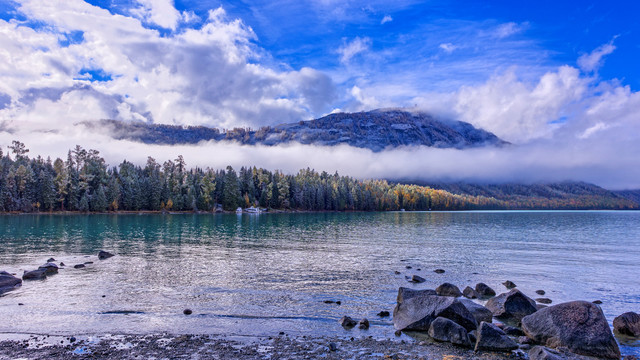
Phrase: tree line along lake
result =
(262, 274)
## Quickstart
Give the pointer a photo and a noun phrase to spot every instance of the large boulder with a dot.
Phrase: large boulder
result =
(492, 338)
(406, 293)
(512, 305)
(8, 282)
(479, 312)
(484, 290)
(627, 324)
(448, 289)
(104, 255)
(418, 311)
(445, 330)
(579, 326)
(39, 274)
(49, 268)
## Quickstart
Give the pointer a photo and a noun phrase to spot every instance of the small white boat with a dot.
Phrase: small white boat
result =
(252, 210)
(239, 210)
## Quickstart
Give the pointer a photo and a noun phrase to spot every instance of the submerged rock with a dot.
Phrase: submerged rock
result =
(447, 289)
(445, 330)
(347, 322)
(469, 293)
(416, 279)
(479, 312)
(579, 326)
(39, 274)
(540, 292)
(509, 284)
(544, 300)
(78, 266)
(49, 268)
(439, 271)
(187, 311)
(104, 255)
(492, 338)
(363, 324)
(512, 305)
(417, 312)
(484, 290)
(627, 324)
(383, 313)
(51, 260)
(8, 282)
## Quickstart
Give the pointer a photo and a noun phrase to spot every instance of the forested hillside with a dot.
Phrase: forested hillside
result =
(84, 182)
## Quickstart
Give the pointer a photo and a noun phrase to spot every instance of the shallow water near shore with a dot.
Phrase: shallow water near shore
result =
(263, 274)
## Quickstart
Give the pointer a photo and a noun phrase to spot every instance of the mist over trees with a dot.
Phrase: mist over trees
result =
(84, 182)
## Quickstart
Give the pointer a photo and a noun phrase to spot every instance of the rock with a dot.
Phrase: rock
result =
(51, 260)
(88, 262)
(363, 324)
(544, 353)
(492, 338)
(512, 305)
(49, 268)
(333, 346)
(8, 282)
(72, 339)
(525, 340)
(39, 274)
(484, 290)
(513, 331)
(439, 271)
(447, 289)
(509, 284)
(187, 311)
(540, 292)
(544, 300)
(469, 293)
(62, 264)
(627, 324)
(347, 322)
(397, 272)
(104, 255)
(472, 336)
(417, 279)
(579, 326)
(78, 266)
(445, 330)
(524, 347)
(338, 302)
(541, 306)
(417, 312)
(383, 313)
(406, 293)
(329, 302)
(479, 312)
(409, 267)
(597, 302)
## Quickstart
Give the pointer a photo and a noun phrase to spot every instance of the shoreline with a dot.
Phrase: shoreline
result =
(163, 345)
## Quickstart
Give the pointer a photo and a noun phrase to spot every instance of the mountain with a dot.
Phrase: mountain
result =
(375, 130)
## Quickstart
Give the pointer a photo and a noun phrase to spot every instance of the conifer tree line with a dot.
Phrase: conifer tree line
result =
(84, 182)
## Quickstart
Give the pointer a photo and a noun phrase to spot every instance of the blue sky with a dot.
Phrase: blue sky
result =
(552, 77)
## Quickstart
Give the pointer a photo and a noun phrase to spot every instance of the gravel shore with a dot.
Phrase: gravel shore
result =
(165, 346)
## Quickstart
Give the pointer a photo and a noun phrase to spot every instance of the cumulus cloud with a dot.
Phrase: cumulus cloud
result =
(593, 61)
(352, 48)
(159, 12)
(386, 19)
(210, 75)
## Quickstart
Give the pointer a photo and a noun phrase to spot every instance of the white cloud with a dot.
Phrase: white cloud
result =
(386, 19)
(350, 49)
(447, 47)
(200, 76)
(509, 29)
(593, 61)
(159, 12)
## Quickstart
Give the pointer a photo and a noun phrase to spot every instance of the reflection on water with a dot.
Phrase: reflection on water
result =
(261, 274)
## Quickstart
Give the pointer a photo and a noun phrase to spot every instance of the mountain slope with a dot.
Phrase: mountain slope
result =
(375, 130)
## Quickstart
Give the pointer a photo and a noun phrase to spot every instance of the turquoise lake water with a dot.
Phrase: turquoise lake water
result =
(262, 274)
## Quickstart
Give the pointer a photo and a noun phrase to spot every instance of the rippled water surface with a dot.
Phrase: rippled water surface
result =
(262, 274)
